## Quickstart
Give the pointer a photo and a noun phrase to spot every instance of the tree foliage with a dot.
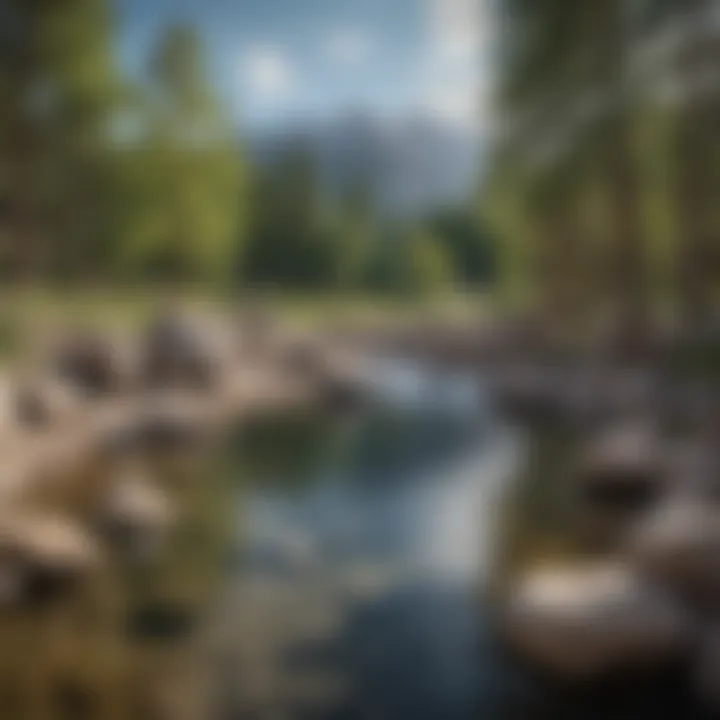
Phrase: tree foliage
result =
(103, 178)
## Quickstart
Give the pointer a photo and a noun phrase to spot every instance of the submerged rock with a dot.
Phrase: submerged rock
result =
(135, 513)
(593, 620)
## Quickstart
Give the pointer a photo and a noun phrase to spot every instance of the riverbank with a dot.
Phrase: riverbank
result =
(89, 430)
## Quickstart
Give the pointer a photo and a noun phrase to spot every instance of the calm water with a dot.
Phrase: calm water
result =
(364, 541)
(364, 545)
(326, 567)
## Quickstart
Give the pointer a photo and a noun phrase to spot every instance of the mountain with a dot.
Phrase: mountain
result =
(412, 164)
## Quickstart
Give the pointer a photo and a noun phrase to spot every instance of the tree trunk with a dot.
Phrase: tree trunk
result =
(695, 154)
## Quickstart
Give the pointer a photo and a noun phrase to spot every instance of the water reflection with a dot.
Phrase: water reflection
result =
(363, 546)
(324, 567)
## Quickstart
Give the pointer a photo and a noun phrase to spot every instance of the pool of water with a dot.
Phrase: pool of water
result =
(325, 566)
(362, 545)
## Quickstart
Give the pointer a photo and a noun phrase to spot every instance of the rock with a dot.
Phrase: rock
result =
(8, 403)
(41, 554)
(94, 363)
(706, 670)
(135, 513)
(527, 392)
(334, 375)
(44, 402)
(167, 424)
(592, 620)
(257, 328)
(182, 351)
(621, 472)
(684, 408)
(679, 545)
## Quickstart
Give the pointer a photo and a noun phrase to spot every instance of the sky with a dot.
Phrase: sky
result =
(279, 61)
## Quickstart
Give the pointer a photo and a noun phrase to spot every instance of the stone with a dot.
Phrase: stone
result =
(622, 471)
(94, 363)
(184, 351)
(135, 513)
(44, 402)
(42, 554)
(706, 668)
(679, 546)
(526, 392)
(589, 621)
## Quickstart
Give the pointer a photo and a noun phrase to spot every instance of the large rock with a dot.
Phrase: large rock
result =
(94, 362)
(527, 392)
(706, 671)
(135, 513)
(679, 545)
(589, 621)
(185, 351)
(44, 402)
(335, 376)
(42, 553)
(622, 472)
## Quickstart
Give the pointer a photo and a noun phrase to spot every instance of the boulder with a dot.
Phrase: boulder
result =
(135, 514)
(593, 620)
(527, 393)
(706, 670)
(94, 363)
(184, 351)
(334, 376)
(679, 546)
(42, 553)
(621, 471)
(165, 424)
(257, 328)
(44, 402)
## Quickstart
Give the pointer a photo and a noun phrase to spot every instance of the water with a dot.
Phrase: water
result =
(327, 567)
(364, 543)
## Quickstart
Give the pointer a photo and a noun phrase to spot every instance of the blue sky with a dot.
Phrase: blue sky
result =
(280, 60)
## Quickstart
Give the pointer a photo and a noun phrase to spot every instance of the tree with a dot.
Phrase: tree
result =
(407, 260)
(58, 86)
(294, 240)
(567, 103)
(183, 186)
(430, 266)
(468, 243)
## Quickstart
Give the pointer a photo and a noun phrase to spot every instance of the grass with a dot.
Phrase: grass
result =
(28, 312)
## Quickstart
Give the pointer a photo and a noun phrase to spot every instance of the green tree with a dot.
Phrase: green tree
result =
(183, 204)
(58, 87)
(294, 240)
(468, 243)
(430, 265)
(407, 260)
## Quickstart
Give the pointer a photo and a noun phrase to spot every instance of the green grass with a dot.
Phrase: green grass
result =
(26, 313)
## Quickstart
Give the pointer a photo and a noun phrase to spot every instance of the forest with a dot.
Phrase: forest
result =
(606, 164)
(106, 179)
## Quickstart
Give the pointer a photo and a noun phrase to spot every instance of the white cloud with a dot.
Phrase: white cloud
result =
(348, 46)
(266, 70)
(456, 105)
(456, 74)
(455, 26)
